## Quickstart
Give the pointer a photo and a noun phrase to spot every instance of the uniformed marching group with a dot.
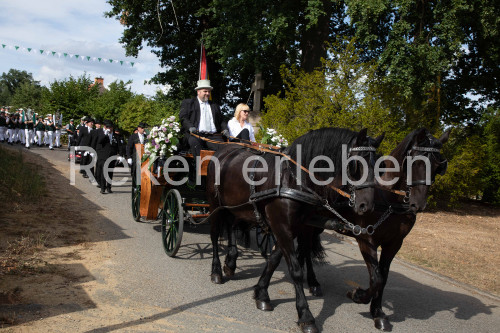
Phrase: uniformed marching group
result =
(20, 127)
(99, 142)
(107, 149)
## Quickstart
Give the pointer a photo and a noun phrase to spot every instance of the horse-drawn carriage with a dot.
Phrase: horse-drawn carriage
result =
(294, 209)
(172, 200)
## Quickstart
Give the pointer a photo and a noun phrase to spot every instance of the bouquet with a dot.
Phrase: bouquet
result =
(271, 137)
(162, 140)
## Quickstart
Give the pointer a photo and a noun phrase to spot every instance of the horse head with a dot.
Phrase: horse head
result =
(423, 161)
(360, 173)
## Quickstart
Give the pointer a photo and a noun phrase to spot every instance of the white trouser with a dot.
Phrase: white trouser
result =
(27, 137)
(51, 138)
(39, 135)
(3, 129)
(16, 135)
(20, 135)
(46, 138)
(58, 138)
(10, 133)
(32, 136)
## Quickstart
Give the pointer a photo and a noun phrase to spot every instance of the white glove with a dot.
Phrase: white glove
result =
(129, 161)
(92, 154)
(86, 153)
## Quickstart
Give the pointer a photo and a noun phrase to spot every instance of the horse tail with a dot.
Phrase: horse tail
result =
(309, 245)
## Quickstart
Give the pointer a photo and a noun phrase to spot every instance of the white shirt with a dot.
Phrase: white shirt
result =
(235, 128)
(206, 119)
(141, 138)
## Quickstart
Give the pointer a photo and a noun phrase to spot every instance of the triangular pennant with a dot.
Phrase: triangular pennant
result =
(121, 62)
(3, 46)
(65, 55)
(53, 53)
(17, 47)
(88, 58)
(41, 51)
(132, 64)
(29, 49)
(110, 60)
(99, 59)
(77, 55)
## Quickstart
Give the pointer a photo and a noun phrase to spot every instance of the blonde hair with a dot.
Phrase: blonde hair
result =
(238, 110)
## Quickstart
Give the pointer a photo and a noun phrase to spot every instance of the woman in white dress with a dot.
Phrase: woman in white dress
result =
(239, 127)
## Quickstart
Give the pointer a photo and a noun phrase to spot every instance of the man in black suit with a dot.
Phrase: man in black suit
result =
(137, 137)
(200, 116)
(93, 143)
(85, 140)
(106, 147)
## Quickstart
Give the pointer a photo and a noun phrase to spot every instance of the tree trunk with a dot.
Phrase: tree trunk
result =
(314, 38)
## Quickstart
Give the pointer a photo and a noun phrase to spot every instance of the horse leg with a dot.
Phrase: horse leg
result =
(260, 293)
(306, 320)
(215, 222)
(386, 256)
(369, 253)
(232, 253)
(305, 256)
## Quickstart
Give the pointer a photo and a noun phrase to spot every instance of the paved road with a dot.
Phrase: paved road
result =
(161, 293)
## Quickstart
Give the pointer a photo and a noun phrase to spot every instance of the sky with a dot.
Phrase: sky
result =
(75, 28)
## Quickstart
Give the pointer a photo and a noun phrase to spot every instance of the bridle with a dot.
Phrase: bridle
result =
(354, 188)
(427, 152)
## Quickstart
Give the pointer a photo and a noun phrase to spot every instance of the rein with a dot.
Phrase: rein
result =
(266, 150)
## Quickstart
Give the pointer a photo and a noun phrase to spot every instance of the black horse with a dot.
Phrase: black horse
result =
(284, 196)
(383, 227)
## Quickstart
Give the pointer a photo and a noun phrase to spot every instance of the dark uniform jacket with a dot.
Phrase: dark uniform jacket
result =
(132, 140)
(84, 138)
(106, 147)
(190, 115)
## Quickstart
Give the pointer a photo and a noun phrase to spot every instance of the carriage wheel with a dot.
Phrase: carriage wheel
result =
(265, 242)
(172, 223)
(136, 200)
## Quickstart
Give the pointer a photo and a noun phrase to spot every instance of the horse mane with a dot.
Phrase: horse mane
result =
(325, 141)
(402, 148)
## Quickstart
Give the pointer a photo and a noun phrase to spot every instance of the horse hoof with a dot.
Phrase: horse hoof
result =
(263, 305)
(216, 278)
(383, 324)
(309, 328)
(316, 291)
(228, 271)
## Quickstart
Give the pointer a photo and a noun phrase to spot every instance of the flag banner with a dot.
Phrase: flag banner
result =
(66, 54)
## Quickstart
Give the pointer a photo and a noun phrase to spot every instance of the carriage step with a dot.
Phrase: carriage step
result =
(196, 205)
(199, 216)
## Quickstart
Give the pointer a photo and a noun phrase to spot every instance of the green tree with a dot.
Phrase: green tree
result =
(243, 37)
(344, 93)
(73, 97)
(28, 96)
(108, 105)
(438, 55)
(10, 82)
(141, 109)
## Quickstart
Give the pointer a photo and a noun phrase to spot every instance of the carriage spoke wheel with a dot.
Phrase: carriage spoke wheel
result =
(265, 242)
(136, 200)
(172, 223)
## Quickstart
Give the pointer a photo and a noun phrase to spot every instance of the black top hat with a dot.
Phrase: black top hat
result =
(97, 121)
(88, 119)
(142, 125)
(108, 123)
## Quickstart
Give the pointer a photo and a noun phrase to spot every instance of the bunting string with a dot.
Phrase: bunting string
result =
(67, 55)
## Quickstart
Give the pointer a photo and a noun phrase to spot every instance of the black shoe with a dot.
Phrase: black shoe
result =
(85, 176)
(109, 190)
(98, 186)
(102, 191)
